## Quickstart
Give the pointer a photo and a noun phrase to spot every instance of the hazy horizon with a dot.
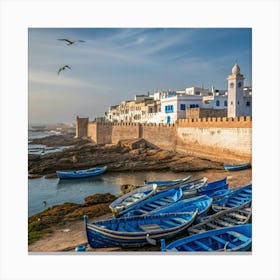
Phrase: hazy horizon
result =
(114, 64)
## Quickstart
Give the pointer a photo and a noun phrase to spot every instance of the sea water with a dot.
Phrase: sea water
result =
(55, 191)
(38, 149)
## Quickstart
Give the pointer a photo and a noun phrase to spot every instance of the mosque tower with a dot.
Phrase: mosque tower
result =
(235, 93)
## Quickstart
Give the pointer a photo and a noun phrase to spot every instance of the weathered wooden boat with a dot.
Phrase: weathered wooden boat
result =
(214, 186)
(192, 188)
(128, 200)
(201, 203)
(189, 188)
(73, 174)
(227, 218)
(219, 194)
(168, 182)
(157, 201)
(234, 198)
(138, 230)
(229, 239)
(236, 167)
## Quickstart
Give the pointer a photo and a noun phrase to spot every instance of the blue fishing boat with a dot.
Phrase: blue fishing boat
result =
(189, 188)
(214, 186)
(157, 201)
(229, 239)
(236, 167)
(201, 203)
(128, 200)
(138, 230)
(168, 182)
(227, 218)
(74, 174)
(234, 198)
(192, 188)
(219, 194)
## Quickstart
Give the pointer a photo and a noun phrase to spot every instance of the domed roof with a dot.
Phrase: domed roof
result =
(235, 69)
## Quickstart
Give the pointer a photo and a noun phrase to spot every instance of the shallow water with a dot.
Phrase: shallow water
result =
(55, 191)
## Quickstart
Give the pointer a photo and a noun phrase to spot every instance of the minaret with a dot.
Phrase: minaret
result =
(235, 93)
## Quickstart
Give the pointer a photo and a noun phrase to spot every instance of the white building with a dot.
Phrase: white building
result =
(215, 101)
(239, 100)
(194, 91)
(168, 107)
(174, 107)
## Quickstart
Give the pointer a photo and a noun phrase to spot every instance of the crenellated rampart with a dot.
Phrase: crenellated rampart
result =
(207, 136)
(238, 122)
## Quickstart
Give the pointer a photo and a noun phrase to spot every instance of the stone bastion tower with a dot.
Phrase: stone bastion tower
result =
(235, 93)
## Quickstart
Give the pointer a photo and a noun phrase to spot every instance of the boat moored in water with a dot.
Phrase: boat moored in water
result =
(75, 174)
(236, 167)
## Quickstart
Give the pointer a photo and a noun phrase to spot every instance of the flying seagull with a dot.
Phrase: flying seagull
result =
(63, 68)
(69, 42)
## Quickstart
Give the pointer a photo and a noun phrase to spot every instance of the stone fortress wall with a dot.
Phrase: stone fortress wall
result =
(229, 136)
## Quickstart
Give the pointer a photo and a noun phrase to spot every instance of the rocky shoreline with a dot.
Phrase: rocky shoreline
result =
(127, 155)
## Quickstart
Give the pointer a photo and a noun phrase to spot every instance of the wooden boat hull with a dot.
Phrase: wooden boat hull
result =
(137, 231)
(219, 194)
(77, 174)
(229, 239)
(201, 203)
(234, 198)
(193, 188)
(157, 201)
(214, 186)
(227, 218)
(130, 199)
(236, 167)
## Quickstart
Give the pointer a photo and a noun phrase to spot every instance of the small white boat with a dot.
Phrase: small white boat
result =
(128, 200)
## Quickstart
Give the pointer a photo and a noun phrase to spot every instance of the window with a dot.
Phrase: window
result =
(183, 107)
(225, 103)
(196, 106)
(169, 109)
(192, 105)
(218, 103)
(248, 103)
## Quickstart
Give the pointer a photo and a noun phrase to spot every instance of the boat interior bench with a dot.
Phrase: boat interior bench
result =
(151, 227)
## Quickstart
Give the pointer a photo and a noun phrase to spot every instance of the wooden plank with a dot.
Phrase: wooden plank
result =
(187, 248)
(232, 221)
(179, 220)
(212, 226)
(202, 245)
(223, 223)
(238, 216)
(169, 223)
(194, 230)
(151, 227)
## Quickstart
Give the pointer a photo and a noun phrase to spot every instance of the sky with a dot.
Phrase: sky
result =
(114, 64)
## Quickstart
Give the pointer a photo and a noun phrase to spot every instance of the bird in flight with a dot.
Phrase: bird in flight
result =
(63, 68)
(69, 42)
